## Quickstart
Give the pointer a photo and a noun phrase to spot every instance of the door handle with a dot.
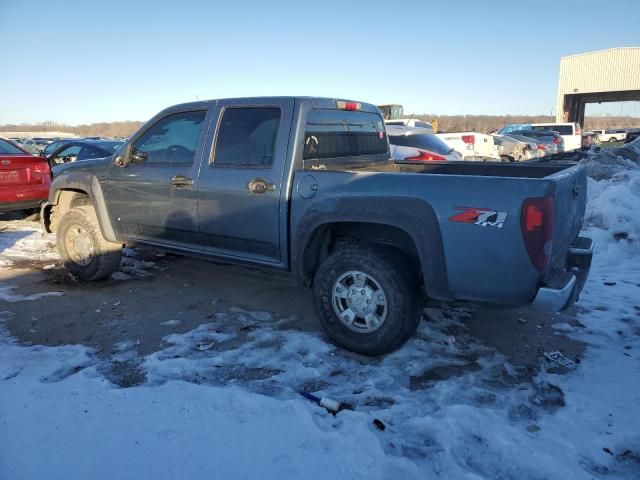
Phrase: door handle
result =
(259, 185)
(181, 181)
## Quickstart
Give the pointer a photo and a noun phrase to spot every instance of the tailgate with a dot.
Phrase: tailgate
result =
(570, 203)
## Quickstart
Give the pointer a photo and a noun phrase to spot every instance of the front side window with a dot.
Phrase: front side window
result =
(343, 133)
(247, 136)
(173, 139)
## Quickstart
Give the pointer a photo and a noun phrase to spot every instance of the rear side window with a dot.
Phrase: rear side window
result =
(420, 141)
(342, 133)
(247, 136)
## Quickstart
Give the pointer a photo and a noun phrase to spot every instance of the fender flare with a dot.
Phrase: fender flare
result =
(82, 182)
(412, 215)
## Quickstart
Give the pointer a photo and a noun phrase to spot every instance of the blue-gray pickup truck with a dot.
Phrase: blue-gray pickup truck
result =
(306, 185)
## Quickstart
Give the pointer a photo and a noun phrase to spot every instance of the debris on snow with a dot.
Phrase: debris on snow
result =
(560, 359)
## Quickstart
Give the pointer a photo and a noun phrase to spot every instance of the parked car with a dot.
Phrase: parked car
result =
(410, 122)
(552, 141)
(82, 150)
(610, 135)
(570, 131)
(30, 146)
(409, 144)
(306, 185)
(471, 146)
(53, 146)
(24, 179)
(512, 149)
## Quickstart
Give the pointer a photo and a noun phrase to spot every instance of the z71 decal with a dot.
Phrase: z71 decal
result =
(484, 217)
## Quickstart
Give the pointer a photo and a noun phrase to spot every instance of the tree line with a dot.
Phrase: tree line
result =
(446, 123)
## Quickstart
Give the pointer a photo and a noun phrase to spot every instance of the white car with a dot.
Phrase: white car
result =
(472, 146)
(610, 135)
(409, 122)
(409, 144)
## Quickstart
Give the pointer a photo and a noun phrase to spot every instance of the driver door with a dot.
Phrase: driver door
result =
(152, 196)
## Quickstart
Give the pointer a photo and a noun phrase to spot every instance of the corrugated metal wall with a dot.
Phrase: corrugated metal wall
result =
(616, 69)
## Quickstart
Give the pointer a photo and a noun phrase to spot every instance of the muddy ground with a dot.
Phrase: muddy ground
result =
(161, 294)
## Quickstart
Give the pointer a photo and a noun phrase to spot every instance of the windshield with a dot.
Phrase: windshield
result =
(109, 146)
(422, 141)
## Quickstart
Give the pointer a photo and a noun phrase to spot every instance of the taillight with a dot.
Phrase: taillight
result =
(426, 156)
(341, 104)
(541, 146)
(469, 139)
(38, 171)
(556, 140)
(537, 229)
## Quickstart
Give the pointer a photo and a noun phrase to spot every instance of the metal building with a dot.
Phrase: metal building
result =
(611, 75)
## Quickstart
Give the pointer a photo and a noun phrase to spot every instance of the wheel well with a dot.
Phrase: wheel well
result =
(66, 200)
(326, 238)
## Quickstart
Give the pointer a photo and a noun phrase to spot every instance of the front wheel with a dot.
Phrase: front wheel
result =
(83, 249)
(367, 298)
(613, 139)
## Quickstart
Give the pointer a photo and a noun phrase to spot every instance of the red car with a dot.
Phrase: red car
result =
(24, 179)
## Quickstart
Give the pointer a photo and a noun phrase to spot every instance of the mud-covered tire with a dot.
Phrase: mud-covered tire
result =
(83, 250)
(398, 280)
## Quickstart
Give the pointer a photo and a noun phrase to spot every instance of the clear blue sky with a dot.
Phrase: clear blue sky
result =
(88, 61)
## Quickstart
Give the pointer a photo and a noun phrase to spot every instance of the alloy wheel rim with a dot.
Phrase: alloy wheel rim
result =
(359, 301)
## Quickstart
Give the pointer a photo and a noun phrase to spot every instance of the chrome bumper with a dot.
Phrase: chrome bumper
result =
(564, 287)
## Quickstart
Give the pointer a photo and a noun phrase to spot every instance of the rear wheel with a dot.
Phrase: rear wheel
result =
(83, 249)
(613, 139)
(367, 298)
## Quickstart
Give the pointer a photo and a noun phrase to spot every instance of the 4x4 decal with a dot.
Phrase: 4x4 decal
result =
(485, 217)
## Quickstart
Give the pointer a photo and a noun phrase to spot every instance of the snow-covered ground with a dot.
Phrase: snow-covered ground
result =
(222, 400)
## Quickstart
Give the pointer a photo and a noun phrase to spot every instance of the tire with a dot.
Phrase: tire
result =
(83, 250)
(613, 139)
(384, 268)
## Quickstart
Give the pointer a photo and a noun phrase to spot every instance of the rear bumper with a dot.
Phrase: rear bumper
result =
(563, 288)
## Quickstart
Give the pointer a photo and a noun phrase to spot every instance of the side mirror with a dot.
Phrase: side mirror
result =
(136, 156)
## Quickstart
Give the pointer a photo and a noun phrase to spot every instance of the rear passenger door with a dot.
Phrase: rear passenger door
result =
(240, 188)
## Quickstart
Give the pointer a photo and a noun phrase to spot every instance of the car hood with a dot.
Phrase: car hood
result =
(95, 165)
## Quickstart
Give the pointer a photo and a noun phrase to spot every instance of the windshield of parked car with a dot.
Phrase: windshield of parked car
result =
(108, 146)
(423, 141)
(561, 129)
(7, 148)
